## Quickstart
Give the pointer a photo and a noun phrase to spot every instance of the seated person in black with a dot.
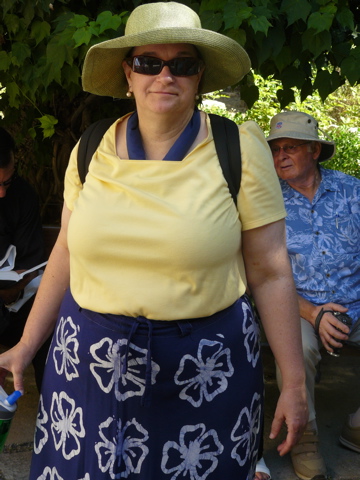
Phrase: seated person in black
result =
(20, 225)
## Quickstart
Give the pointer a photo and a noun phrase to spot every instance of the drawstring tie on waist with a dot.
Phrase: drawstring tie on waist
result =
(146, 398)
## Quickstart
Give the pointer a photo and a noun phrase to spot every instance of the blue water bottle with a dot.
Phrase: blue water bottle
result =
(8, 407)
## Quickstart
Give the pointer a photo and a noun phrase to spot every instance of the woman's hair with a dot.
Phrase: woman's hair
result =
(7, 148)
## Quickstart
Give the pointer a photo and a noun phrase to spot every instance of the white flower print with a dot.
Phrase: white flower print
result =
(107, 369)
(245, 431)
(42, 435)
(121, 452)
(204, 376)
(251, 331)
(323, 241)
(67, 424)
(52, 474)
(65, 353)
(195, 456)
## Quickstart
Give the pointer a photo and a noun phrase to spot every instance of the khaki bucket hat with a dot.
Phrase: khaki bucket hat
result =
(300, 126)
(226, 62)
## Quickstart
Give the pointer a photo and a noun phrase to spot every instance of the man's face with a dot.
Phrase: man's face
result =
(297, 161)
(6, 177)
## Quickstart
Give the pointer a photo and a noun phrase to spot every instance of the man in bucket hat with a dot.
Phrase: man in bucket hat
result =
(323, 228)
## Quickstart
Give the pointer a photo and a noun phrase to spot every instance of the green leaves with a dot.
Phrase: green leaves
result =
(20, 52)
(5, 61)
(350, 66)
(316, 43)
(295, 10)
(306, 44)
(326, 82)
(321, 21)
(39, 31)
(47, 124)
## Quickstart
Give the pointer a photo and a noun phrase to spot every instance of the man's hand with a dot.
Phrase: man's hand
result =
(11, 294)
(15, 360)
(329, 327)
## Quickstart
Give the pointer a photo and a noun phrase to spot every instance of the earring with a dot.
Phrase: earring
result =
(129, 93)
(197, 97)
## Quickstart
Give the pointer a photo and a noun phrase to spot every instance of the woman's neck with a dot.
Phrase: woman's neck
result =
(160, 133)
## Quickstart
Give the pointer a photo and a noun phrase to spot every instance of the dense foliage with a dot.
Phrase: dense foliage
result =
(338, 118)
(312, 45)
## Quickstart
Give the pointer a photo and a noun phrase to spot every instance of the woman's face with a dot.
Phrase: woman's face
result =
(164, 92)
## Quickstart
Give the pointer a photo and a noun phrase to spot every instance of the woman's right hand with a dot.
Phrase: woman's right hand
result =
(15, 361)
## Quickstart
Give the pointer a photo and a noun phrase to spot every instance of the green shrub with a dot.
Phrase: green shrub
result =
(338, 118)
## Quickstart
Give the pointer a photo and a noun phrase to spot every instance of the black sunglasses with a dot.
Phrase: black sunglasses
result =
(9, 181)
(180, 66)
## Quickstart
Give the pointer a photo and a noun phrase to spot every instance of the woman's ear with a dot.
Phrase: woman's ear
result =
(127, 70)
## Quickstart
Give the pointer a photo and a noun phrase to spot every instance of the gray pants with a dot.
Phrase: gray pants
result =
(311, 350)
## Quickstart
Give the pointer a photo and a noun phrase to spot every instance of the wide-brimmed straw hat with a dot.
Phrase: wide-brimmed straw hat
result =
(300, 126)
(226, 62)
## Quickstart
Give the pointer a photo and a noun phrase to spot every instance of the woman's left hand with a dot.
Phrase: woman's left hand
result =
(291, 409)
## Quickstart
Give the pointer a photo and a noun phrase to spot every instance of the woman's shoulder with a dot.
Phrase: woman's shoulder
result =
(251, 127)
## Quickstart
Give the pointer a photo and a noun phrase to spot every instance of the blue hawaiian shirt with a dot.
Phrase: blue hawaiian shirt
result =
(323, 241)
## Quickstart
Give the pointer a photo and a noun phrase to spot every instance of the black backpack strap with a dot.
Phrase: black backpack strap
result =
(226, 138)
(227, 144)
(89, 141)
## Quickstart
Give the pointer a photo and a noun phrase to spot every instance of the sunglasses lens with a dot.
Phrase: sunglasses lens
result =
(180, 67)
(185, 66)
(147, 65)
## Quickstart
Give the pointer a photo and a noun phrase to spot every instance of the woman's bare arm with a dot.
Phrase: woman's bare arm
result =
(272, 286)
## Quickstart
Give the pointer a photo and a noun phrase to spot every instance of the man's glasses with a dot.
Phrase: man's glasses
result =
(180, 67)
(9, 181)
(288, 149)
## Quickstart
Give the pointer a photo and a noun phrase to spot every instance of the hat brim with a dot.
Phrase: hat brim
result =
(226, 62)
(328, 149)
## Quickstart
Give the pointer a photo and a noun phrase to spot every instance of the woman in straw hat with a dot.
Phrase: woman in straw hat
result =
(154, 371)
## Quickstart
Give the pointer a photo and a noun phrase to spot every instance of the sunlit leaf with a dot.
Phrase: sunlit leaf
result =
(108, 21)
(79, 21)
(47, 124)
(82, 36)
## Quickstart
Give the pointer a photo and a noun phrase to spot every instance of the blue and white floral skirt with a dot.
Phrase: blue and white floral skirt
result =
(150, 400)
